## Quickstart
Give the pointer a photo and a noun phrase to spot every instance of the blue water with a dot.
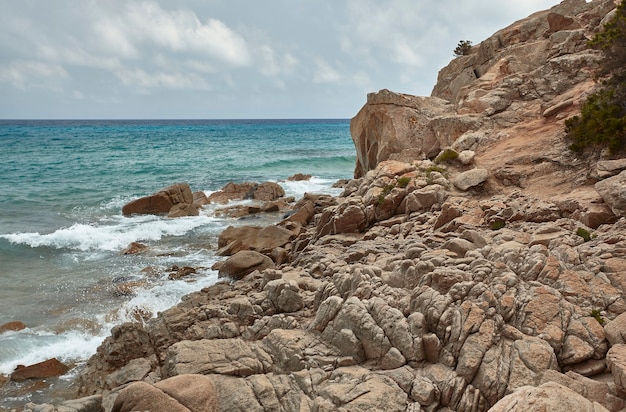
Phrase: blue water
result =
(63, 184)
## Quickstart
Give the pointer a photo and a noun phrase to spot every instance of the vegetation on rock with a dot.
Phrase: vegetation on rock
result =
(446, 155)
(584, 233)
(602, 121)
(463, 48)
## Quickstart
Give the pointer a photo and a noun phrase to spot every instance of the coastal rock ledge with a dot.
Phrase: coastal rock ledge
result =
(412, 291)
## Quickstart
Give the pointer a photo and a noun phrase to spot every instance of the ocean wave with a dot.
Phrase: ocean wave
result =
(315, 184)
(317, 163)
(113, 236)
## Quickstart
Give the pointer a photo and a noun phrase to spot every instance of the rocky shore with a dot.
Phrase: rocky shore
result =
(473, 264)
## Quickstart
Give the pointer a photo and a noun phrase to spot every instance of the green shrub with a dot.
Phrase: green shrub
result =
(403, 181)
(438, 169)
(463, 48)
(446, 156)
(584, 234)
(595, 313)
(386, 190)
(498, 224)
(602, 121)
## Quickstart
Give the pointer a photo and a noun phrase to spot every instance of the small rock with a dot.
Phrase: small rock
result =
(134, 248)
(12, 326)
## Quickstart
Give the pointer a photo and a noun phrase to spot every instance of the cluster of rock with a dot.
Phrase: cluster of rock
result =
(407, 303)
(493, 280)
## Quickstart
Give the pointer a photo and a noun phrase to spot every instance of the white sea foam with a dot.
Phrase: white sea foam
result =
(318, 185)
(113, 235)
(28, 346)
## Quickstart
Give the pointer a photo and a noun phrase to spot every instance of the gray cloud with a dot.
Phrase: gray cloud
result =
(209, 59)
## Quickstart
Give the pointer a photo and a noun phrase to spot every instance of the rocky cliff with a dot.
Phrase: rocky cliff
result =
(473, 263)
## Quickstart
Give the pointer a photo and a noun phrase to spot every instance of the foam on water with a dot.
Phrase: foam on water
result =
(30, 346)
(113, 235)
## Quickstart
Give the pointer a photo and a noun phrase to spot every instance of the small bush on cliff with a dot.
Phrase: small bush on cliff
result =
(463, 48)
(403, 181)
(584, 233)
(446, 156)
(595, 313)
(602, 122)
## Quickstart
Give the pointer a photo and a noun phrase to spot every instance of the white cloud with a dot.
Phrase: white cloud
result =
(24, 74)
(325, 73)
(145, 25)
(144, 80)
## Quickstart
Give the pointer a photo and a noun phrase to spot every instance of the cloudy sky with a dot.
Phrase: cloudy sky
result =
(229, 59)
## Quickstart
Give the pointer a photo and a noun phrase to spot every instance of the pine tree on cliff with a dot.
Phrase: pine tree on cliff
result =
(602, 122)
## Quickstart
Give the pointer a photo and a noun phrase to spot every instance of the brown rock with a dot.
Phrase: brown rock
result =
(395, 124)
(266, 191)
(179, 273)
(134, 248)
(255, 238)
(12, 326)
(183, 393)
(183, 209)
(46, 369)
(243, 263)
(299, 177)
(160, 202)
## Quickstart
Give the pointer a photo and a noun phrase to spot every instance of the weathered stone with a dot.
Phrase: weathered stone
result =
(183, 393)
(471, 178)
(616, 330)
(616, 362)
(613, 191)
(243, 263)
(549, 396)
(260, 239)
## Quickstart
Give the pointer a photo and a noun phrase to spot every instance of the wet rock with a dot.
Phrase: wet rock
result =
(46, 369)
(134, 248)
(162, 201)
(12, 326)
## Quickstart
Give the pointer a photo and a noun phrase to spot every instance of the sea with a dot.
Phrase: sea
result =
(62, 187)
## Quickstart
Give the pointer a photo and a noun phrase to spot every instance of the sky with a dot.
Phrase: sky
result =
(235, 59)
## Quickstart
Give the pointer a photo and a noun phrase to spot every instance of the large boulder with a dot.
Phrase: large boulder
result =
(549, 396)
(394, 124)
(182, 393)
(177, 196)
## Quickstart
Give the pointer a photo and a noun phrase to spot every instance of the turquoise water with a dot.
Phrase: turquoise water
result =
(63, 184)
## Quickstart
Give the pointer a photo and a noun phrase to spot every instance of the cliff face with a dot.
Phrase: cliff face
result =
(494, 280)
(506, 100)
